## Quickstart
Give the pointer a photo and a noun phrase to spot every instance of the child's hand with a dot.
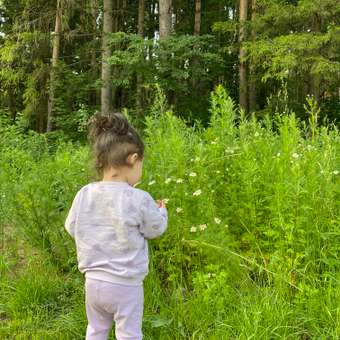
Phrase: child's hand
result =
(161, 204)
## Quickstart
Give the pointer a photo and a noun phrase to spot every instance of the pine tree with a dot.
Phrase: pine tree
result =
(164, 18)
(106, 91)
(55, 58)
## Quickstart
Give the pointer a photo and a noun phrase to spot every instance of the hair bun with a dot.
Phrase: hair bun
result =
(114, 122)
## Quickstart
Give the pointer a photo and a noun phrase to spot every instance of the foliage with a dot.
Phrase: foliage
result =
(174, 64)
(293, 43)
(253, 236)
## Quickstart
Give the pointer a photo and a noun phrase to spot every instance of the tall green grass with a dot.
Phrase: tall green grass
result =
(252, 247)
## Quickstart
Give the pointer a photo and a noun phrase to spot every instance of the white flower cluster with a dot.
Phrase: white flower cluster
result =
(194, 229)
(197, 192)
(311, 147)
(210, 275)
(201, 227)
(229, 150)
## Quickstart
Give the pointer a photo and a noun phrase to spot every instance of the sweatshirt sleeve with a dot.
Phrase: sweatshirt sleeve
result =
(154, 219)
(72, 216)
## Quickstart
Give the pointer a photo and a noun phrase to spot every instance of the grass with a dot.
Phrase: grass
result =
(252, 247)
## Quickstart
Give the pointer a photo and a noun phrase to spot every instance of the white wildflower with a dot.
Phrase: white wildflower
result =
(226, 226)
(192, 174)
(295, 155)
(152, 182)
(218, 171)
(278, 154)
(197, 192)
(217, 220)
(256, 134)
(178, 210)
(165, 200)
(193, 229)
(213, 142)
(197, 159)
(168, 180)
(179, 180)
(335, 172)
(202, 227)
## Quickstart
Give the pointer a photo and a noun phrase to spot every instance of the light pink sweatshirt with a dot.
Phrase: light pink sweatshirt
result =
(111, 222)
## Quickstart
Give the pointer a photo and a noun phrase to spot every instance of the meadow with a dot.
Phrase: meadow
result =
(253, 242)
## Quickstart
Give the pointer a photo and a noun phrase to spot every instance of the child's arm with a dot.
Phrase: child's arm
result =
(71, 217)
(154, 218)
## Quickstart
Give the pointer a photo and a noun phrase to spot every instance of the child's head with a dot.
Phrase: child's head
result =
(117, 147)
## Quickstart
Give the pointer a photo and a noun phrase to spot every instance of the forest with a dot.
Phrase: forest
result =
(268, 54)
(238, 103)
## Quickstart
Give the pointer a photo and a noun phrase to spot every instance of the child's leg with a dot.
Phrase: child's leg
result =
(106, 300)
(99, 320)
(129, 315)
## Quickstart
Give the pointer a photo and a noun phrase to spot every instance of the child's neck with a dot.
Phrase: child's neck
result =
(109, 178)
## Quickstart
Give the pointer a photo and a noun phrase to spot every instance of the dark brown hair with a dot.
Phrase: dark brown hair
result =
(113, 140)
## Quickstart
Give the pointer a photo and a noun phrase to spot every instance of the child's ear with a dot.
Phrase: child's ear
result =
(132, 158)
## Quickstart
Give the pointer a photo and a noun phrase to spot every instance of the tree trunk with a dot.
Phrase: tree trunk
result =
(197, 28)
(197, 31)
(94, 70)
(55, 58)
(106, 91)
(252, 80)
(139, 94)
(141, 17)
(164, 18)
(315, 81)
(243, 93)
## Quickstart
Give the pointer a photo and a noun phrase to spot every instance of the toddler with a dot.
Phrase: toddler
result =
(111, 222)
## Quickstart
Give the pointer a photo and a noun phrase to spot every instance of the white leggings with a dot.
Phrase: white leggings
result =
(107, 302)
